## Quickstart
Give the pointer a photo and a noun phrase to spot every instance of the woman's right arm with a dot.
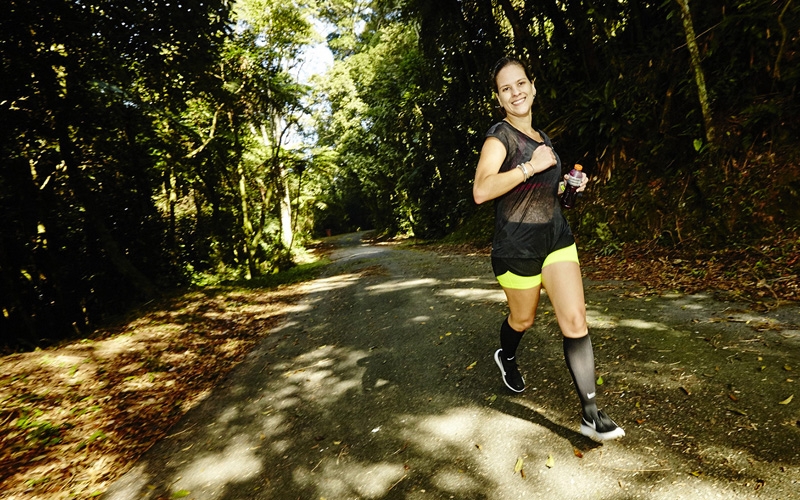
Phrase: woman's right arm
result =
(489, 181)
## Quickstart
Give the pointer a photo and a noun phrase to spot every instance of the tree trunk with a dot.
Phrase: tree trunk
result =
(170, 183)
(525, 45)
(522, 40)
(287, 234)
(782, 49)
(699, 78)
(281, 180)
(247, 227)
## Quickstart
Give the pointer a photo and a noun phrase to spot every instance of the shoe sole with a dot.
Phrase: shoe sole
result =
(503, 371)
(591, 433)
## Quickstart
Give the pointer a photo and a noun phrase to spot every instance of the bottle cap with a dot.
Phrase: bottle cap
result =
(578, 166)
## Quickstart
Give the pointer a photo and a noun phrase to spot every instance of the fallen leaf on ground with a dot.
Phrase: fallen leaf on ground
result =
(578, 453)
(550, 462)
(470, 367)
(600, 380)
(518, 465)
(787, 400)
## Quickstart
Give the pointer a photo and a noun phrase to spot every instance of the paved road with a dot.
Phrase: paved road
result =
(380, 385)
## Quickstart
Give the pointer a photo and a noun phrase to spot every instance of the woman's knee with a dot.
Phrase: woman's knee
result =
(521, 322)
(573, 325)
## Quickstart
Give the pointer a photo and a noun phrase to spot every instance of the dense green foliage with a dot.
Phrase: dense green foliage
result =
(145, 144)
(152, 144)
(83, 83)
(617, 93)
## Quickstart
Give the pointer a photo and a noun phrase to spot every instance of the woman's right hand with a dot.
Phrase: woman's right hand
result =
(542, 158)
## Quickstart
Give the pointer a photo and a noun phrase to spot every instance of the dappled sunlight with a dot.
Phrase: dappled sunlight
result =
(273, 425)
(137, 383)
(642, 324)
(399, 285)
(95, 403)
(382, 390)
(322, 285)
(457, 426)
(474, 294)
(322, 375)
(476, 280)
(318, 377)
(237, 462)
(62, 360)
(601, 319)
(455, 481)
(287, 325)
(228, 415)
(355, 480)
(114, 346)
(478, 449)
(301, 307)
(286, 398)
(694, 307)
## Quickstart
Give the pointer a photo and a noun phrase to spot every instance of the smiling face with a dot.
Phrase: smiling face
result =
(515, 91)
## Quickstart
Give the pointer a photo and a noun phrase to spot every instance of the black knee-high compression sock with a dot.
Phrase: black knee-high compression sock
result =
(509, 340)
(580, 360)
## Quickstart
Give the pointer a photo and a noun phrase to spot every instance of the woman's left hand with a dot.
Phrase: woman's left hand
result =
(584, 182)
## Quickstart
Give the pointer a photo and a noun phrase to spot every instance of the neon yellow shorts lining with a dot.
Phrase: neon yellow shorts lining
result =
(511, 280)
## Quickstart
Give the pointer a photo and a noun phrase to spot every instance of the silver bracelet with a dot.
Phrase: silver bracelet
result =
(521, 166)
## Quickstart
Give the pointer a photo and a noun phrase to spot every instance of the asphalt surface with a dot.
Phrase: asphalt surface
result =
(381, 385)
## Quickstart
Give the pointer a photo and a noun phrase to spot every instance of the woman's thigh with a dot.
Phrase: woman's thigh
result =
(564, 286)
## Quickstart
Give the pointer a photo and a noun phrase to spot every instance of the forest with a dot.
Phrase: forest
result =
(153, 145)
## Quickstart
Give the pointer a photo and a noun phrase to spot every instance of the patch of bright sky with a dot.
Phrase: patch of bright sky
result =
(317, 59)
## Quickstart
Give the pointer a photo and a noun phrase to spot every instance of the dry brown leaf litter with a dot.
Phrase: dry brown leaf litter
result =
(73, 418)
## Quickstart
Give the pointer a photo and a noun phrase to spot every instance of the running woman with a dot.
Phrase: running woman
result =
(533, 246)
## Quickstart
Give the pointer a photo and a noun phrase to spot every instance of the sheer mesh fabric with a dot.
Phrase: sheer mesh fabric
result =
(531, 211)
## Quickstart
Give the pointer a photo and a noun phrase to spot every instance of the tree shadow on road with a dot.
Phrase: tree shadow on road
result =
(382, 386)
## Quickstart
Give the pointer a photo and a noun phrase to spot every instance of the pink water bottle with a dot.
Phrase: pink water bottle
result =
(570, 193)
